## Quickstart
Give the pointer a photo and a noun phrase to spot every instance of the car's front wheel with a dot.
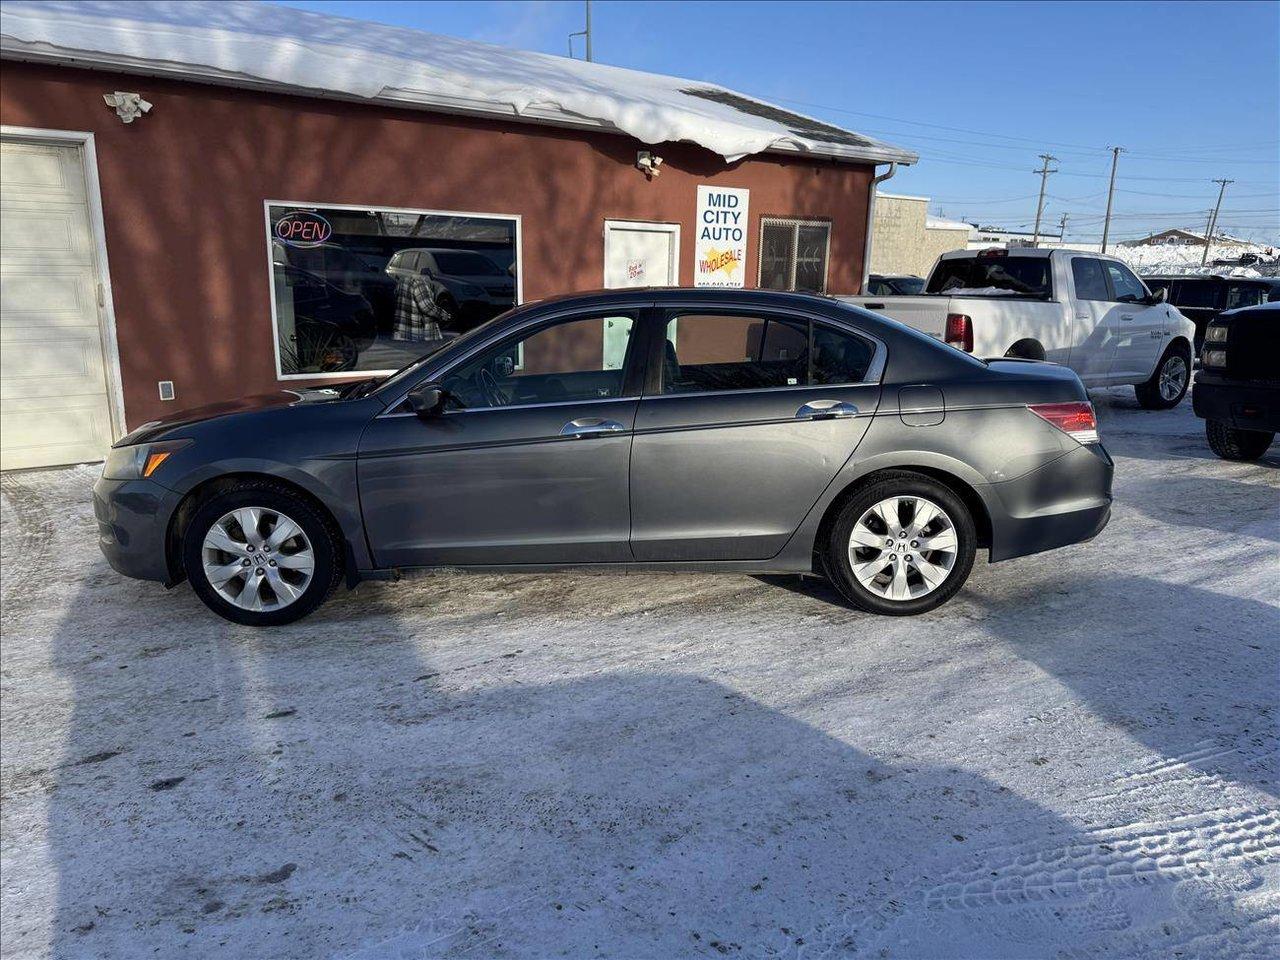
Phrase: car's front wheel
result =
(1232, 444)
(902, 545)
(259, 554)
(1168, 385)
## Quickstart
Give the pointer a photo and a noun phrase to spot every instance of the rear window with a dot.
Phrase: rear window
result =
(1195, 293)
(1026, 276)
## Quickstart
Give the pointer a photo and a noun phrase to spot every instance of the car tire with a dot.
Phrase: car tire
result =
(1232, 444)
(902, 586)
(290, 578)
(1168, 385)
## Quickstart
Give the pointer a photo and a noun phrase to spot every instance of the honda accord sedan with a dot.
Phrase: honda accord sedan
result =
(746, 432)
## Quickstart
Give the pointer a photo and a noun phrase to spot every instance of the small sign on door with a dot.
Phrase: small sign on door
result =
(636, 269)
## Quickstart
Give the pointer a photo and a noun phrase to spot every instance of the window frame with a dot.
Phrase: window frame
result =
(795, 223)
(351, 375)
(1106, 279)
(660, 318)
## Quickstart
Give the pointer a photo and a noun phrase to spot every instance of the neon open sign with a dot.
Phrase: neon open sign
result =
(303, 229)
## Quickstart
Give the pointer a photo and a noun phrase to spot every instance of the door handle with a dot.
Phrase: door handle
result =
(826, 410)
(1126, 316)
(590, 427)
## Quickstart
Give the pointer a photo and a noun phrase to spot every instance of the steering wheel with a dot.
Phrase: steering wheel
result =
(488, 385)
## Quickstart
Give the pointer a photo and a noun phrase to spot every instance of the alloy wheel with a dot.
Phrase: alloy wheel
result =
(1173, 378)
(903, 548)
(258, 559)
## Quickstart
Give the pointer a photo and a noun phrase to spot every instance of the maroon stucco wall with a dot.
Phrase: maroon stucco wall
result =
(182, 193)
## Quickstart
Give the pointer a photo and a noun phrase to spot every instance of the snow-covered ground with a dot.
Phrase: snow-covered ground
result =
(1075, 758)
(1172, 258)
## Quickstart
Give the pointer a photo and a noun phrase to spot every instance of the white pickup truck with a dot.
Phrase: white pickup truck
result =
(1087, 311)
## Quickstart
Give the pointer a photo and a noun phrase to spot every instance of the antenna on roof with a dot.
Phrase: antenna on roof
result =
(583, 33)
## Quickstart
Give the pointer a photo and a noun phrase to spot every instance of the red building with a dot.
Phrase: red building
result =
(201, 203)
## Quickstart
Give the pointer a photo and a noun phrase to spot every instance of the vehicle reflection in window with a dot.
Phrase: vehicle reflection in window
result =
(373, 290)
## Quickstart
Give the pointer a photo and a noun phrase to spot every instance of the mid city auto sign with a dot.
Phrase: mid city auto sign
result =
(720, 250)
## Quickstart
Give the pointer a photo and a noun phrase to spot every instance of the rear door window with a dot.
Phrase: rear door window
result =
(1089, 278)
(1004, 273)
(721, 352)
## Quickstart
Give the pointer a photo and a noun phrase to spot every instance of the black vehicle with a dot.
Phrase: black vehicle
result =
(1202, 297)
(1237, 390)
(665, 429)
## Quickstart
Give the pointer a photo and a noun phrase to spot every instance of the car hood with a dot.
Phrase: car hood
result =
(155, 429)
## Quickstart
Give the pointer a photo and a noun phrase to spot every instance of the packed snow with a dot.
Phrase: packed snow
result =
(1174, 258)
(244, 41)
(1075, 758)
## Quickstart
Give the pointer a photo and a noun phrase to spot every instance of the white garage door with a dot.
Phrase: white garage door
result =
(54, 406)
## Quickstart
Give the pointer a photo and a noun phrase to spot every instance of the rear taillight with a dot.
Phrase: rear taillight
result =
(1075, 419)
(959, 332)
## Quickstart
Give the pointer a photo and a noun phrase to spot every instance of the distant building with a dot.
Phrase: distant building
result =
(1180, 237)
(988, 236)
(905, 239)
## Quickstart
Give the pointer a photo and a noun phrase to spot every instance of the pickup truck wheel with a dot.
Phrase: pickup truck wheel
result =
(1232, 444)
(1168, 385)
(902, 545)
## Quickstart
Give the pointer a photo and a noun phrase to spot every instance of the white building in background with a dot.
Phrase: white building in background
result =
(906, 239)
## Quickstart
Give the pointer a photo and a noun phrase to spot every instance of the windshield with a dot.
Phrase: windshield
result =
(1028, 276)
(460, 264)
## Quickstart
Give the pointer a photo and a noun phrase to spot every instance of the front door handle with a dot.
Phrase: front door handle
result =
(1126, 316)
(590, 427)
(826, 410)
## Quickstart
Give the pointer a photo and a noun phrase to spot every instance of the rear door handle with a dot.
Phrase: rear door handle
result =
(590, 427)
(826, 410)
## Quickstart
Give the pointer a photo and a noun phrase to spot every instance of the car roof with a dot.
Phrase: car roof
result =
(1273, 307)
(684, 295)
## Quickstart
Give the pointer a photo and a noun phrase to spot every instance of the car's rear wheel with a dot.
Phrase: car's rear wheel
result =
(1168, 385)
(1232, 444)
(259, 554)
(902, 545)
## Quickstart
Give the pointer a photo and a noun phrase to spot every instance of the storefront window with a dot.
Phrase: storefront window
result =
(369, 289)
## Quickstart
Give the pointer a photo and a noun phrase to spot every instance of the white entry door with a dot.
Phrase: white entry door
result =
(53, 381)
(636, 255)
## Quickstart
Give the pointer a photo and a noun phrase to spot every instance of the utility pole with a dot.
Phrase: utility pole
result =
(1213, 220)
(1062, 229)
(586, 33)
(1111, 192)
(1044, 181)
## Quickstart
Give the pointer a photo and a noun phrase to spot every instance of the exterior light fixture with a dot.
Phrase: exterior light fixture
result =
(128, 106)
(648, 164)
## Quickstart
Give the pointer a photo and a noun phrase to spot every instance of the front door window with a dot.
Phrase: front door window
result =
(568, 361)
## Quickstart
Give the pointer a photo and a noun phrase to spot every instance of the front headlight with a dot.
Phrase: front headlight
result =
(140, 460)
(1216, 333)
(1214, 358)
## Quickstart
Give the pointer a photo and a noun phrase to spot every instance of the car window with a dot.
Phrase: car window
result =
(1012, 274)
(1090, 281)
(1126, 288)
(1195, 293)
(578, 359)
(715, 352)
(879, 288)
(1244, 295)
(460, 263)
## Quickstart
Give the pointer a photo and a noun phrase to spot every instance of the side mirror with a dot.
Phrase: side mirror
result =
(428, 400)
(1160, 296)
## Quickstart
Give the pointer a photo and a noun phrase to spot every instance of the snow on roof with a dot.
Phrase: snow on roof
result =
(942, 223)
(255, 44)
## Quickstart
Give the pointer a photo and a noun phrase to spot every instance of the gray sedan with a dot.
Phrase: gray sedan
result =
(736, 431)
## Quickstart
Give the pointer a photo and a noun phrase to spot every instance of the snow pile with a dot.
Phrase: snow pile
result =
(249, 42)
(1172, 258)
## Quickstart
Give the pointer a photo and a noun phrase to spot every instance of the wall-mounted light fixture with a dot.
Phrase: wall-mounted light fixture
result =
(649, 164)
(128, 106)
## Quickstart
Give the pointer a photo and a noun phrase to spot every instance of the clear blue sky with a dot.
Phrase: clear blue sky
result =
(1191, 90)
